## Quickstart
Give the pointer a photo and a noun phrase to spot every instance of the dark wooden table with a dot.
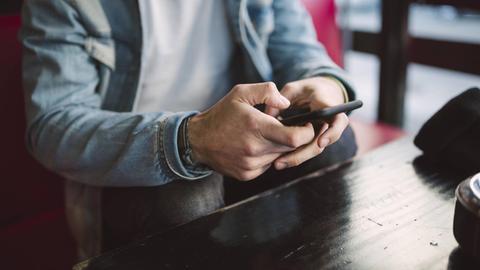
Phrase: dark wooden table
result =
(386, 210)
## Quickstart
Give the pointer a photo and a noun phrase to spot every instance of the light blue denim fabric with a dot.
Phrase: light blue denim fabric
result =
(81, 69)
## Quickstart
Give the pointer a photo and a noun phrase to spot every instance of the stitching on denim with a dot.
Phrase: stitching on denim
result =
(170, 169)
(169, 166)
(161, 155)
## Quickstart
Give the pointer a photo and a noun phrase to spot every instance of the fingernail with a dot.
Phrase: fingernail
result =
(324, 142)
(282, 165)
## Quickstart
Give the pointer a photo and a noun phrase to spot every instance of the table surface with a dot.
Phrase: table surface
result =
(388, 209)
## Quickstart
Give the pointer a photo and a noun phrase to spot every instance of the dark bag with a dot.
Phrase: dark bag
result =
(452, 136)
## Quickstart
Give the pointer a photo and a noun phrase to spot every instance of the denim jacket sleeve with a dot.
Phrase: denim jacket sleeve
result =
(293, 48)
(67, 131)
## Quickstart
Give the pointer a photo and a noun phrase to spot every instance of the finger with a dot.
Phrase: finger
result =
(337, 126)
(272, 111)
(294, 136)
(276, 148)
(265, 143)
(250, 175)
(292, 91)
(295, 92)
(299, 156)
(320, 127)
(262, 93)
(255, 163)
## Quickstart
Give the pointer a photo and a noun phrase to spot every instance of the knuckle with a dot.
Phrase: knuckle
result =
(288, 88)
(294, 140)
(251, 149)
(238, 88)
(270, 87)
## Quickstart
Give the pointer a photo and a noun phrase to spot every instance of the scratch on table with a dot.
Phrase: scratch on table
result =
(293, 252)
(81, 265)
(378, 223)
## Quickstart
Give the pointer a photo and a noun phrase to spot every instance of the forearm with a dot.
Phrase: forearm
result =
(68, 131)
(104, 148)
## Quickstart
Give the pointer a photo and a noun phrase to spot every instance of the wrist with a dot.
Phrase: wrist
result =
(194, 138)
(184, 149)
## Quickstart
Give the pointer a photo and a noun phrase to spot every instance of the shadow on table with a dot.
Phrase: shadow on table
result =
(440, 179)
(444, 187)
(287, 228)
(459, 260)
(292, 228)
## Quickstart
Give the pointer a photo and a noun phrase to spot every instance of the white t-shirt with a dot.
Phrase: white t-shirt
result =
(187, 54)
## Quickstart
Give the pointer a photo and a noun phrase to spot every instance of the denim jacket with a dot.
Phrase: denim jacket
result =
(81, 66)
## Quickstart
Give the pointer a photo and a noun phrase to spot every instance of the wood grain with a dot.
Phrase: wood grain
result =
(386, 210)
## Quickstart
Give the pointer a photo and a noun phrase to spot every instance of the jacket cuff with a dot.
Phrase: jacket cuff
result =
(169, 143)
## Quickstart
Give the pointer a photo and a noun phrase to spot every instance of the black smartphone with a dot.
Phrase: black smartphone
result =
(323, 114)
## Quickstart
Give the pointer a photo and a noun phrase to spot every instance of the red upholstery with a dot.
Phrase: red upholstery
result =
(372, 135)
(41, 241)
(33, 230)
(369, 136)
(32, 189)
(323, 15)
(32, 222)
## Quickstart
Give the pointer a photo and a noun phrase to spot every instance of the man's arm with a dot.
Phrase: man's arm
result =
(70, 134)
(67, 131)
(294, 50)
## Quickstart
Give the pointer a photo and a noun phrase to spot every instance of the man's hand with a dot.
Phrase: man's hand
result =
(237, 140)
(314, 93)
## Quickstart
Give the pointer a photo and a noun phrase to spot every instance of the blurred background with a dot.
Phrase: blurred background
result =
(407, 59)
(440, 44)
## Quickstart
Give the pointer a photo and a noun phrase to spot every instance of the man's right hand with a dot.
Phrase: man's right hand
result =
(235, 139)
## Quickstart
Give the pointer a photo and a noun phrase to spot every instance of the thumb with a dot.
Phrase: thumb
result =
(263, 93)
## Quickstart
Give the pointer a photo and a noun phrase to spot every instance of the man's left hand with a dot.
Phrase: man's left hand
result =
(313, 93)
